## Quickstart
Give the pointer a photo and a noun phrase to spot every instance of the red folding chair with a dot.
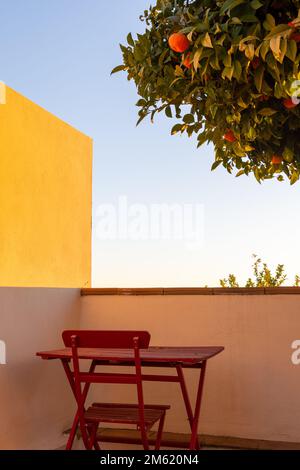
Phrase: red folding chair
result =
(141, 415)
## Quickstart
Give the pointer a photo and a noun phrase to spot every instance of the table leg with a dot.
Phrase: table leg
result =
(69, 374)
(194, 436)
(186, 399)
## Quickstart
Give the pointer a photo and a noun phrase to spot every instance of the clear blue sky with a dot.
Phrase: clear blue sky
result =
(59, 53)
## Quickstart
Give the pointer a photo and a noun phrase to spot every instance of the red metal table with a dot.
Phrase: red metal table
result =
(178, 358)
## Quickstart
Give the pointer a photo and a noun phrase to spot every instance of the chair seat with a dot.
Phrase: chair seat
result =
(124, 413)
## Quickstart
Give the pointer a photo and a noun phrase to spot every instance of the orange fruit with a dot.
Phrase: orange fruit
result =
(276, 159)
(178, 42)
(255, 63)
(277, 5)
(295, 36)
(263, 98)
(289, 104)
(229, 136)
(187, 61)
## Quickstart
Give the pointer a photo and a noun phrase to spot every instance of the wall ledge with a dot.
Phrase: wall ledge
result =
(192, 291)
(181, 441)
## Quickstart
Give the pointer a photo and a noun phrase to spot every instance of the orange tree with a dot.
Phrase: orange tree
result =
(229, 72)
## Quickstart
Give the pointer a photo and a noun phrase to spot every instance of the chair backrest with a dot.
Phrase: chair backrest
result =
(134, 340)
(106, 339)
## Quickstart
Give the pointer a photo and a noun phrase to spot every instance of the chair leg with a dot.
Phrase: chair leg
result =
(96, 443)
(160, 431)
(72, 434)
(93, 428)
(84, 434)
(144, 436)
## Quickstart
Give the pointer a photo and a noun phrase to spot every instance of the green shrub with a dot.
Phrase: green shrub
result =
(262, 276)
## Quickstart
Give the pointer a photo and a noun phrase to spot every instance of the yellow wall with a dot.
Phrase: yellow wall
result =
(45, 198)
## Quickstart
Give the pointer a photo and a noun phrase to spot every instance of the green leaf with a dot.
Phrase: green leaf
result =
(119, 68)
(201, 27)
(249, 18)
(238, 150)
(206, 41)
(258, 77)
(267, 112)
(142, 117)
(278, 30)
(275, 45)
(130, 40)
(269, 22)
(162, 57)
(179, 72)
(248, 148)
(228, 72)
(213, 110)
(227, 60)
(257, 175)
(251, 134)
(247, 39)
(279, 91)
(237, 73)
(216, 164)
(288, 154)
(229, 5)
(168, 112)
(236, 20)
(283, 50)
(141, 102)
(239, 173)
(265, 47)
(201, 139)
(197, 57)
(221, 39)
(242, 103)
(292, 50)
(214, 63)
(256, 4)
(177, 128)
(294, 178)
(188, 119)
(250, 51)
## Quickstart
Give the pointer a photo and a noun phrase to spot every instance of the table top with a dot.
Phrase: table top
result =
(159, 354)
